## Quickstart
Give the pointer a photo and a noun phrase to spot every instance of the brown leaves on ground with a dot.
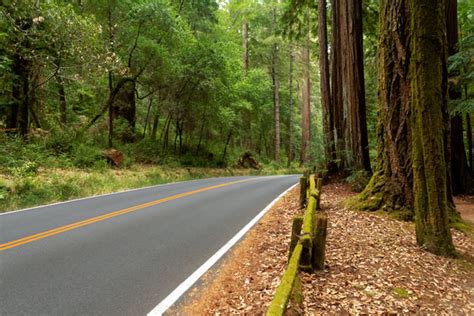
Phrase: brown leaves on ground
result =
(375, 266)
(245, 282)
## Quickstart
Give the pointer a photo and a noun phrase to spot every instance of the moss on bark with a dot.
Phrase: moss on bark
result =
(428, 103)
(390, 188)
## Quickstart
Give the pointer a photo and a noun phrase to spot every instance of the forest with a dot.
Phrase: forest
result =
(351, 88)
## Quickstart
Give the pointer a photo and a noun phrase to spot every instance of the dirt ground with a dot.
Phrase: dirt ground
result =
(465, 206)
(373, 265)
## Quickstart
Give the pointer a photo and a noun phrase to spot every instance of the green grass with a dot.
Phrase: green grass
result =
(48, 185)
(401, 293)
(62, 166)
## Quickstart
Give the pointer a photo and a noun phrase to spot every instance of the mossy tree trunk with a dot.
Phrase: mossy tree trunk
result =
(428, 72)
(391, 185)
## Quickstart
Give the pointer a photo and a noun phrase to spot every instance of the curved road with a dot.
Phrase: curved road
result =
(122, 253)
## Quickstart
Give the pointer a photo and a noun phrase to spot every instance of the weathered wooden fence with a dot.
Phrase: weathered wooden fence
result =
(307, 245)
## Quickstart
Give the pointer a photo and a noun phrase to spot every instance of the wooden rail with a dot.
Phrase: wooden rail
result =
(307, 245)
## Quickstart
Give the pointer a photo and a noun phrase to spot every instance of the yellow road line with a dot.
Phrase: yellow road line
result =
(62, 229)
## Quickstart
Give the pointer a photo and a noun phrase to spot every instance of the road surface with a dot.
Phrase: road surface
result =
(123, 253)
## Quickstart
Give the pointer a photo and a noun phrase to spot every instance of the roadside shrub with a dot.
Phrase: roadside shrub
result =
(87, 156)
(60, 142)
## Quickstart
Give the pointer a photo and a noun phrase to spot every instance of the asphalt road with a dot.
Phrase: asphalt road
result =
(121, 254)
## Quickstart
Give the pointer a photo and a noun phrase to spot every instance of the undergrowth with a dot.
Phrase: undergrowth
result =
(61, 167)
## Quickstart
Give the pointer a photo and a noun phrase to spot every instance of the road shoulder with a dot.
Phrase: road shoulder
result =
(248, 276)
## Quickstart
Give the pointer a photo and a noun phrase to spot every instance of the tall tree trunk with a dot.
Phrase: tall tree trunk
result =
(337, 101)
(428, 72)
(291, 152)
(306, 104)
(201, 133)
(328, 123)
(391, 185)
(20, 92)
(353, 78)
(156, 121)
(461, 178)
(229, 136)
(276, 91)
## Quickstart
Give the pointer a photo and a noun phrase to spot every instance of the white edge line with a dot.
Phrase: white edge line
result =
(186, 284)
(119, 192)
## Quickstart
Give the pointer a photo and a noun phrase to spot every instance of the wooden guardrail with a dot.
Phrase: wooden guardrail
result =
(307, 245)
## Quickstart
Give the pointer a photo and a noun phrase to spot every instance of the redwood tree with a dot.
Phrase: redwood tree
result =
(276, 89)
(337, 100)
(328, 123)
(306, 104)
(353, 80)
(390, 187)
(428, 76)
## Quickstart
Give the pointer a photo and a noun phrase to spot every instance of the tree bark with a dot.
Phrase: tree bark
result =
(154, 129)
(353, 78)
(20, 93)
(229, 136)
(328, 123)
(337, 101)
(306, 104)
(428, 72)
(390, 187)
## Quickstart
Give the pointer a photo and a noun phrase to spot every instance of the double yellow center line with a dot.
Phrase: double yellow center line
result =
(62, 229)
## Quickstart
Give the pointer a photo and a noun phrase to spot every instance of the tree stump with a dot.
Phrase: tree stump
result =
(113, 156)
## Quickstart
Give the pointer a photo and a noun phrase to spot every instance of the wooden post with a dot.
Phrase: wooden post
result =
(319, 185)
(295, 231)
(303, 188)
(319, 242)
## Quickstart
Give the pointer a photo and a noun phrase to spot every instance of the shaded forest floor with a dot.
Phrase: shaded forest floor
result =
(465, 206)
(373, 266)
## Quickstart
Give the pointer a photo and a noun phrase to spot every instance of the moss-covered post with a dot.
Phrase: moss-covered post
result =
(319, 185)
(428, 103)
(306, 239)
(303, 188)
(319, 242)
(295, 232)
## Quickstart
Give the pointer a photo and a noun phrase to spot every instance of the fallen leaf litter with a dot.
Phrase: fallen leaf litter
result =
(373, 266)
